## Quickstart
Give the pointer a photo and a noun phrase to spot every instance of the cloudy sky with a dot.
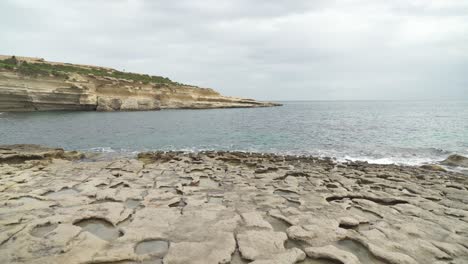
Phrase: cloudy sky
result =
(264, 49)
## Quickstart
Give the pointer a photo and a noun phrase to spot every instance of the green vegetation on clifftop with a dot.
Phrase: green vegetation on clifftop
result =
(43, 68)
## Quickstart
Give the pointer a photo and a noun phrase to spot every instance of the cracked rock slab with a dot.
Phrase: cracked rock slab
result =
(256, 244)
(216, 250)
(212, 207)
(332, 253)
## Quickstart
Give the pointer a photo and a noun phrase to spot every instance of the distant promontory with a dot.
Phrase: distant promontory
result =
(33, 84)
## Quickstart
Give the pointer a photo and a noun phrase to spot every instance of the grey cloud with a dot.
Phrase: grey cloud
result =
(281, 50)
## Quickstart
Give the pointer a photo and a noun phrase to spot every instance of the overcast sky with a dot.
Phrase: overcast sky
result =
(263, 49)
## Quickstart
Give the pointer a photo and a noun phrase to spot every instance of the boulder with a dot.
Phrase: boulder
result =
(456, 160)
(432, 167)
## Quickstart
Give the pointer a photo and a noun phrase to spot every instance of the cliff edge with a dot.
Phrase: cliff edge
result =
(33, 84)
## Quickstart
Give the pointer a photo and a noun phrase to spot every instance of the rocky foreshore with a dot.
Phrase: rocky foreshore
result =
(223, 207)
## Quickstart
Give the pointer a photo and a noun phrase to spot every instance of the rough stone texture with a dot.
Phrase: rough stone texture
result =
(89, 93)
(331, 252)
(219, 207)
(255, 219)
(289, 256)
(255, 244)
(23, 152)
(456, 160)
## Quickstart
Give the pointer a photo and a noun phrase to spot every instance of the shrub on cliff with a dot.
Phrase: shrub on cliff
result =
(9, 63)
(60, 70)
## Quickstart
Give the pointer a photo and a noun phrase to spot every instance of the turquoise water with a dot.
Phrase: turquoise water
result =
(406, 132)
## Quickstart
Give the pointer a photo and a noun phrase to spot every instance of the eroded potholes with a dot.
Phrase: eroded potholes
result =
(100, 228)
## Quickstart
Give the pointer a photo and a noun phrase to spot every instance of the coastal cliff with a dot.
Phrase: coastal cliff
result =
(33, 84)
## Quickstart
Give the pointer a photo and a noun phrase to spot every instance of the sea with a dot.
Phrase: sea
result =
(385, 132)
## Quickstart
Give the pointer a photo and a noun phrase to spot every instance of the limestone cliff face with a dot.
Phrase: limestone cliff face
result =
(88, 92)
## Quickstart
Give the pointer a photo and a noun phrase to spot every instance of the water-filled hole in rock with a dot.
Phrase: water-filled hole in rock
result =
(132, 203)
(99, 227)
(153, 247)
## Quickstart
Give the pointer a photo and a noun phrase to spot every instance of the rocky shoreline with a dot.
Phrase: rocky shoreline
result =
(226, 207)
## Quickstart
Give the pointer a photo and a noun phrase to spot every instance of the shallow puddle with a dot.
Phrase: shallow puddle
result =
(41, 231)
(132, 203)
(99, 227)
(153, 247)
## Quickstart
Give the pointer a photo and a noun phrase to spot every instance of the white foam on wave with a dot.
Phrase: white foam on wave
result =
(102, 150)
(410, 161)
(415, 161)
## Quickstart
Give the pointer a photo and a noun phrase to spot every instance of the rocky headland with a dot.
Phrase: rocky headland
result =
(226, 207)
(33, 84)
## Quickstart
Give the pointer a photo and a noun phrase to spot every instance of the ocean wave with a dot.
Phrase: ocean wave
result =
(415, 157)
(101, 150)
(415, 161)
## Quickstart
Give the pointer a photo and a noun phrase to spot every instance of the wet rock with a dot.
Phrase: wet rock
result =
(456, 160)
(432, 167)
(23, 152)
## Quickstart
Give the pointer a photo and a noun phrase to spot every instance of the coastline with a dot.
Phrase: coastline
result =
(226, 207)
(108, 153)
(29, 84)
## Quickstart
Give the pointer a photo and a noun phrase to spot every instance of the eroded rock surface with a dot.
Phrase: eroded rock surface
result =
(456, 160)
(219, 207)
